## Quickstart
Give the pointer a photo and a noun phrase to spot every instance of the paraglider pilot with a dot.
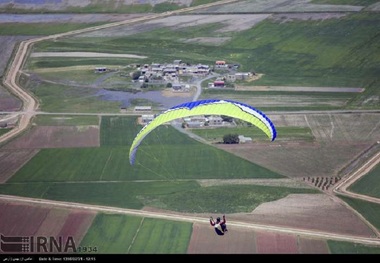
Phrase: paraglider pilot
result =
(219, 225)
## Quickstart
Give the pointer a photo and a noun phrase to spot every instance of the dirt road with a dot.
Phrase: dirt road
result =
(345, 183)
(193, 219)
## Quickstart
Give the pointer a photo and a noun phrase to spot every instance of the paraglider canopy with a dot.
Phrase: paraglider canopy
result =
(206, 107)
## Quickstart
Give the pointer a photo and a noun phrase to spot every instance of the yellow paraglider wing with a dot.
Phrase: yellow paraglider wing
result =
(206, 107)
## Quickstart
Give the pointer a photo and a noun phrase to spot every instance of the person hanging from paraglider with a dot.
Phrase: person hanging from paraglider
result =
(219, 225)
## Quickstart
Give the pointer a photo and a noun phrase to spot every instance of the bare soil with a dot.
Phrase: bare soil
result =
(57, 137)
(43, 221)
(170, 93)
(12, 160)
(299, 159)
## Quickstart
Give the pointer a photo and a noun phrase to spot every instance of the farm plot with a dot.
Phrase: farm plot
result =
(44, 221)
(19, 219)
(236, 241)
(339, 139)
(243, 241)
(57, 137)
(285, 101)
(299, 160)
(312, 246)
(7, 44)
(76, 225)
(11, 161)
(8, 102)
(278, 6)
(318, 212)
(227, 23)
(276, 243)
(113, 233)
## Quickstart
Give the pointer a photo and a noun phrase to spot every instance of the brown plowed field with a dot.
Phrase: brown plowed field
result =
(243, 241)
(205, 241)
(314, 211)
(312, 246)
(11, 161)
(299, 159)
(57, 137)
(42, 221)
(276, 243)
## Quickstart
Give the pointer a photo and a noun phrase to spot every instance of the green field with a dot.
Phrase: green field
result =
(369, 184)
(286, 101)
(65, 98)
(103, 175)
(119, 234)
(340, 52)
(338, 247)
(175, 195)
(4, 131)
(370, 211)
(299, 53)
(65, 120)
(41, 29)
(56, 62)
(345, 2)
(161, 156)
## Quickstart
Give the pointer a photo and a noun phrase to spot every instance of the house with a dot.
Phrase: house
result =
(220, 63)
(147, 118)
(219, 83)
(100, 69)
(199, 118)
(243, 75)
(243, 139)
(177, 87)
(230, 78)
(194, 124)
(215, 120)
(143, 108)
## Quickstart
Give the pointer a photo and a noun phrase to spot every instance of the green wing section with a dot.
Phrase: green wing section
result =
(206, 107)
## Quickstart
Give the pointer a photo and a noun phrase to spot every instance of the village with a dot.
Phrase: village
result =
(170, 74)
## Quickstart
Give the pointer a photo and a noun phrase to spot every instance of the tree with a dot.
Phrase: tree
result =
(136, 75)
(231, 138)
(227, 118)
